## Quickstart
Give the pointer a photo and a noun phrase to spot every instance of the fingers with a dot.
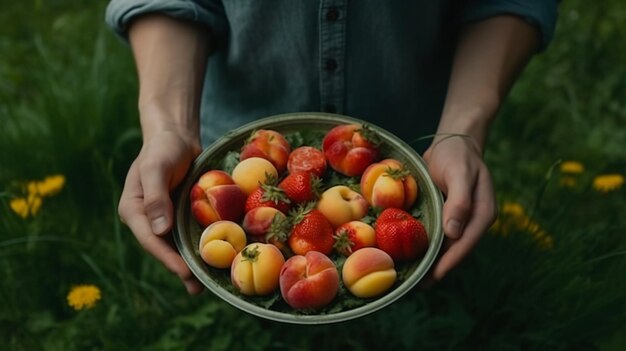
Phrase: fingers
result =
(156, 196)
(481, 217)
(131, 211)
(164, 252)
(161, 249)
(458, 205)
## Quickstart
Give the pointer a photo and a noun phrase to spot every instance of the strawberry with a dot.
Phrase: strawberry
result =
(352, 236)
(400, 235)
(301, 187)
(310, 231)
(270, 196)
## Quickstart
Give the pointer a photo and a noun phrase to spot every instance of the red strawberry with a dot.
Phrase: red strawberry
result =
(352, 236)
(311, 231)
(400, 235)
(301, 187)
(269, 196)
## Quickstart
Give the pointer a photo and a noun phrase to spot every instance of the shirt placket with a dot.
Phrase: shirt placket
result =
(332, 55)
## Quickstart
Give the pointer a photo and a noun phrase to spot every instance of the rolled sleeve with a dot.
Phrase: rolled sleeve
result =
(119, 13)
(540, 13)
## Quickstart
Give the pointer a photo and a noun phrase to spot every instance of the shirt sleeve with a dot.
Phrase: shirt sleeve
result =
(540, 13)
(119, 13)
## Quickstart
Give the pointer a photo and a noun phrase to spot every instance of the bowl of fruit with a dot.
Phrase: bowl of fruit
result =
(309, 218)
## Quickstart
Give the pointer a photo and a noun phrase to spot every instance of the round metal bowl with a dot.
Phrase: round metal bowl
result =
(187, 232)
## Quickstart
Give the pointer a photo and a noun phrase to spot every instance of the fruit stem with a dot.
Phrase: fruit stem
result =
(250, 254)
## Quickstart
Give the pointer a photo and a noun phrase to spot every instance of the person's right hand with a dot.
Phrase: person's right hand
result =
(146, 205)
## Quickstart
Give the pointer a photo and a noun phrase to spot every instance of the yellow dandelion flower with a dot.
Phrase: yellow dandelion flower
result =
(36, 191)
(50, 185)
(26, 207)
(572, 167)
(567, 181)
(513, 209)
(20, 206)
(83, 297)
(512, 217)
(32, 188)
(543, 239)
(608, 182)
(546, 242)
(533, 227)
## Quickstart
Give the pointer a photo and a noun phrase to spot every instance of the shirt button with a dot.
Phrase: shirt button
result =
(330, 108)
(332, 14)
(330, 65)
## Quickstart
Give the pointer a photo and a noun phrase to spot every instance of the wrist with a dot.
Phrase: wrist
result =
(473, 121)
(158, 118)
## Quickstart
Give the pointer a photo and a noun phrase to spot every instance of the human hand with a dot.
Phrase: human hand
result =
(146, 206)
(456, 167)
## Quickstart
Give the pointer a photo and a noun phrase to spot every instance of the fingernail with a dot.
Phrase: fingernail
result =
(159, 225)
(454, 228)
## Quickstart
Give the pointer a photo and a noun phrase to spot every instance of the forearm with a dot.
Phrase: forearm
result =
(488, 59)
(171, 58)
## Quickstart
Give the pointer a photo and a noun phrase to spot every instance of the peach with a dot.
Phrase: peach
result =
(270, 145)
(368, 272)
(309, 281)
(250, 173)
(220, 242)
(256, 269)
(352, 236)
(350, 148)
(388, 183)
(257, 222)
(341, 204)
(214, 197)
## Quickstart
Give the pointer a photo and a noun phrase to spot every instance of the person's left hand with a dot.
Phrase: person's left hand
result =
(456, 166)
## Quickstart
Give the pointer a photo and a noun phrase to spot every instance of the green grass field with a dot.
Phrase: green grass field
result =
(549, 276)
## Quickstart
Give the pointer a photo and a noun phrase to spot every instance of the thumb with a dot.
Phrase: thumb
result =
(156, 198)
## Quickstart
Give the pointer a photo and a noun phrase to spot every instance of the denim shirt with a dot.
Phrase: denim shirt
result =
(387, 62)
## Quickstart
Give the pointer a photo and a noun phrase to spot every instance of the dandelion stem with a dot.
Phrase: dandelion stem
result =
(542, 188)
(92, 264)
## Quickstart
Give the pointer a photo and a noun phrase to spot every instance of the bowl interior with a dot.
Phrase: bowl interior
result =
(187, 231)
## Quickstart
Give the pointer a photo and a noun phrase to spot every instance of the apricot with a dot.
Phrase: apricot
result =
(341, 204)
(220, 242)
(352, 236)
(250, 173)
(256, 269)
(388, 184)
(368, 272)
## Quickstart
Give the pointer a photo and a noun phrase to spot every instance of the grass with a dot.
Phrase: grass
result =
(68, 103)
